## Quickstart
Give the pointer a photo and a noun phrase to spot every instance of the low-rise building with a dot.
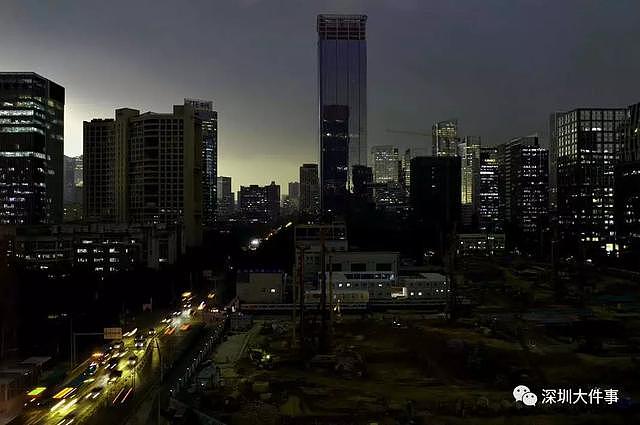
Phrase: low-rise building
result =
(481, 243)
(260, 286)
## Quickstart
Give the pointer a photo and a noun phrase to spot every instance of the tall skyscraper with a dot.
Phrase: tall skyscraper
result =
(31, 149)
(469, 152)
(226, 197)
(489, 219)
(342, 78)
(385, 164)
(585, 150)
(523, 168)
(435, 198)
(145, 169)
(444, 135)
(309, 191)
(627, 191)
(209, 117)
(334, 158)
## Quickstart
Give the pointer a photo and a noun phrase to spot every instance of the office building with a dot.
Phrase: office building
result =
(627, 190)
(523, 168)
(385, 162)
(334, 159)
(259, 204)
(31, 149)
(444, 136)
(391, 198)
(72, 180)
(489, 218)
(226, 198)
(435, 199)
(363, 183)
(209, 162)
(405, 171)
(294, 191)
(469, 152)
(585, 150)
(342, 78)
(309, 191)
(145, 169)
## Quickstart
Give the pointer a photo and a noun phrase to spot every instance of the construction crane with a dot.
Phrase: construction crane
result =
(412, 133)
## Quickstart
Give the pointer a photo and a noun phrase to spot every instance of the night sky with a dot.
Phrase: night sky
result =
(500, 67)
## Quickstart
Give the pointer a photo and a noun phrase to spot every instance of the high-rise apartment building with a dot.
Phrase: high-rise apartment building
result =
(523, 168)
(342, 78)
(309, 191)
(145, 169)
(385, 162)
(209, 163)
(334, 159)
(226, 197)
(444, 136)
(31, 149)
(489, 218)
(585, 148)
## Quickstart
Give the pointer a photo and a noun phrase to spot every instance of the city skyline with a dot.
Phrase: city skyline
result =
(441, 68)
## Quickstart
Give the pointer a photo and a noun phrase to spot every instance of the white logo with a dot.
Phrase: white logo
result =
(529, 399)
(523, 393)
(519, 391)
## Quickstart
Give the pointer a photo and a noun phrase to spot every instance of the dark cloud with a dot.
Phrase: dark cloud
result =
(499, 66)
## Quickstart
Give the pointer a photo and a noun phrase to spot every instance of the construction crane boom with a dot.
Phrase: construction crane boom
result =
(413, 133)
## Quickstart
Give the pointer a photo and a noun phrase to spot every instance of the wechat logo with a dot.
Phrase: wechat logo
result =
(523, 393)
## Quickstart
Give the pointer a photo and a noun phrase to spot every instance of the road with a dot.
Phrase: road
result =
(110, 393)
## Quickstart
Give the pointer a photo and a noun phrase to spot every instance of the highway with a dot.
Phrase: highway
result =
(103, 388)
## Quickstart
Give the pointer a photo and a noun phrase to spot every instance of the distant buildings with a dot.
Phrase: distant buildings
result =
(226, 198)
(444, 135)
(385, 162)
(309, 192)
(523, 168)
(31, 149)
(627, 189)
(72, 180)
(435, 198)
(469, 152)
(489, 217)
(405, 172)
(584, 151)
(291, 201)
(145, 169)
(209, 163)
(342, 72)
(259, 204)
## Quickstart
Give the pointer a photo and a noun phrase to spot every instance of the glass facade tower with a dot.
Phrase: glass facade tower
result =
(342, 77)
(31, 149)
